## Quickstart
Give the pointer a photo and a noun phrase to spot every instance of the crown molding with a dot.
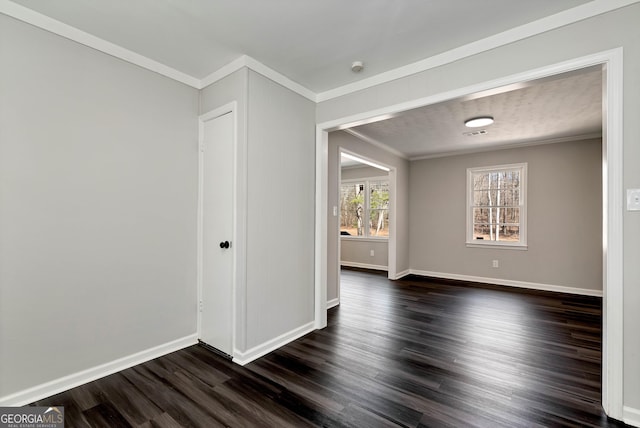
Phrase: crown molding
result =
(258, 67)
(51, 25)
(54, 26)
(376, 143)
(561, 19)
(519, 145)
(579, 13)
(223, 72)
(281, 79)
(467, 151)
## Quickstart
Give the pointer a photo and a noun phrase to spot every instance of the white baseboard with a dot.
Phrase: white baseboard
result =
(631, 416)
(256, 352)
(364, 266)
(65, 383)
(510, 283)
(402, 274)
(333, 302)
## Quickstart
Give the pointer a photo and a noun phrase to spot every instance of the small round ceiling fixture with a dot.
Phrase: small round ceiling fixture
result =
(357, 66)
(478, 121)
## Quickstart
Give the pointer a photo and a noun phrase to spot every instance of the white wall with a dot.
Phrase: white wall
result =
(356, 252)
(590, 36)
(564, 217)
(281, 200)
(98, 175)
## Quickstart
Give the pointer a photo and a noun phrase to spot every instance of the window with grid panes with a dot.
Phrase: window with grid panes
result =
(496, 206)
(364, 208)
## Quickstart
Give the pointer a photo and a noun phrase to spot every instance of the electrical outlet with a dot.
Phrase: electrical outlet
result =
(372, 253)
(496, 264)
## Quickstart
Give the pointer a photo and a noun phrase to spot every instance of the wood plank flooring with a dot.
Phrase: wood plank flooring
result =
(411, 353)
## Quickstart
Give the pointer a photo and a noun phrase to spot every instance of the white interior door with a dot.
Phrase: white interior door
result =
(216, 322)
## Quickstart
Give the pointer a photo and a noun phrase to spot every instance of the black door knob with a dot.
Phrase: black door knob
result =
(224, 244)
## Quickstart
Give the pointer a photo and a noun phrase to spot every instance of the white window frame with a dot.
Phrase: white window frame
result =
(367, 206)
(522, 243)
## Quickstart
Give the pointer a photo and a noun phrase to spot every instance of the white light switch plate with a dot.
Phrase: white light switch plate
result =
(633, 199)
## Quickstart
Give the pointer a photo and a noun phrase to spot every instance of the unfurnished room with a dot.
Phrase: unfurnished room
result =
(323, 213)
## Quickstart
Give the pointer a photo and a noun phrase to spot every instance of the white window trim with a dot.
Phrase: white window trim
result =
(520, 245)
(367, 195)
(364, 238)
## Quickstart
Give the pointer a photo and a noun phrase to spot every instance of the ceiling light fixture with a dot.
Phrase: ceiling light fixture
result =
(478, 121)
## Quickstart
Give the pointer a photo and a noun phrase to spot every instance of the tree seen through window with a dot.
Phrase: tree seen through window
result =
(364, 208)
(496, 204)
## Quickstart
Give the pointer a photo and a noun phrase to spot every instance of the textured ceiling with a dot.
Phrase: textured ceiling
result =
(311, 42)
(560, 107)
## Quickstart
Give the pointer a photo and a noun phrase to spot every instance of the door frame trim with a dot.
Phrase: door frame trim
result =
(229, 108)
(612, 180)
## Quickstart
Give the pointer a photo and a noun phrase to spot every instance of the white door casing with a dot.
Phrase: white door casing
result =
(216, 230)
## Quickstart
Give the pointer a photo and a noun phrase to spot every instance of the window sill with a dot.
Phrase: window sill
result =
(497, 246)
(363, 238)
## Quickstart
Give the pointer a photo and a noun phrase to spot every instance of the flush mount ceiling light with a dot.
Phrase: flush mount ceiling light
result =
(478, 121)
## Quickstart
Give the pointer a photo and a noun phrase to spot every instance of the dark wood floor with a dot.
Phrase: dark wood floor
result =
(412, 353)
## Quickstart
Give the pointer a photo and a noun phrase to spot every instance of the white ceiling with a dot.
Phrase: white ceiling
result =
(566, 106)
(311, 42)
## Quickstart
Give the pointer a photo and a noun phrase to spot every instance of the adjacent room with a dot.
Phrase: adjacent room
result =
(543, 145)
